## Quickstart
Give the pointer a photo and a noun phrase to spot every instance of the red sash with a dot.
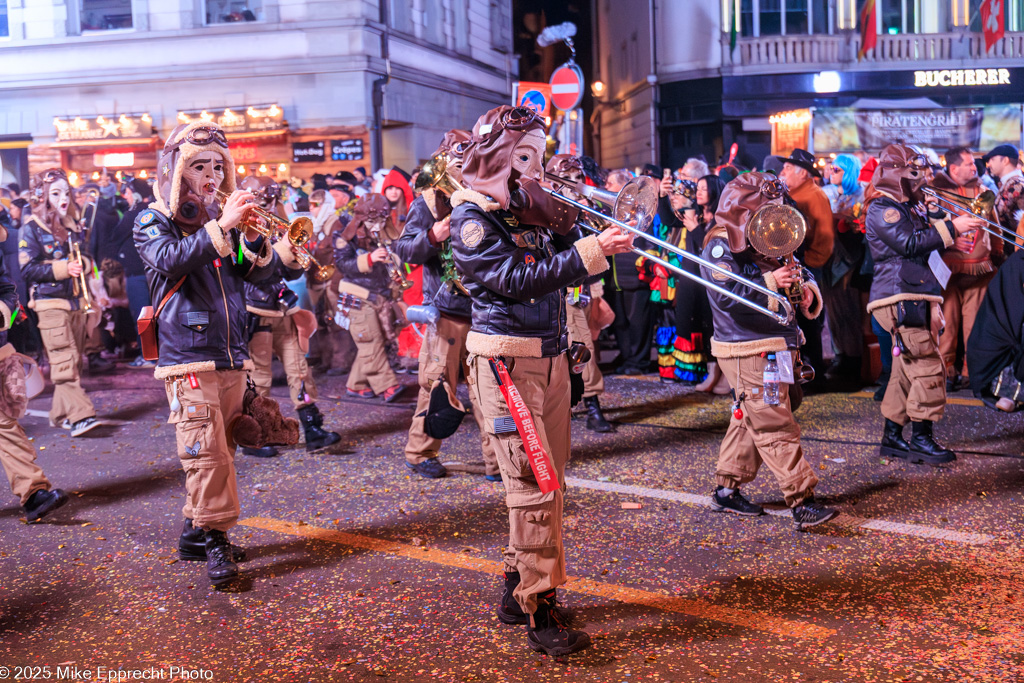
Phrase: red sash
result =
(540, 461)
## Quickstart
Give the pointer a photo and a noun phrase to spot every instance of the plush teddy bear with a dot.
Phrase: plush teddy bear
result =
(261, 423)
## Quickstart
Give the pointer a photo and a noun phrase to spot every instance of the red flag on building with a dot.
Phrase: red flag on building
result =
(868, 29)
(993, 24)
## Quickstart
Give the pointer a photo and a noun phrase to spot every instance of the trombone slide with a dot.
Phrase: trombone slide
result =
(784, 316)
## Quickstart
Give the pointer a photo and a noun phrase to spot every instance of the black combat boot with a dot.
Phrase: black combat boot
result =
(312, 421)
(893, 443)
(42, 503)
(595, 418)
(264, 452)
(550, 634)
(923, 447)
(509, 611)
(192, 545)
(220, 565)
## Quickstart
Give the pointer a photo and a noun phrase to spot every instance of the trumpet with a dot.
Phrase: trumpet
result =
(79, 285)
(978, 207)
(321, 273)
(267, 223)
(394, 270)
(434, 174)
(638, 202)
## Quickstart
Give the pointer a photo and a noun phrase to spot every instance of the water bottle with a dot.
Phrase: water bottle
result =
(771, 381)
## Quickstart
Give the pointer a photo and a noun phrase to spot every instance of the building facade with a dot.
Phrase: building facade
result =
(695, 77)
(301, 86)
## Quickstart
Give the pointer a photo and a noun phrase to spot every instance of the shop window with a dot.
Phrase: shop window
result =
(231, 11)
(5, 32)
(105, 15)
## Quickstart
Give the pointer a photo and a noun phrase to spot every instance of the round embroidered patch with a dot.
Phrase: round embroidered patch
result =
(719, 276)
(717, 251)
(472, 234)
(891, 216)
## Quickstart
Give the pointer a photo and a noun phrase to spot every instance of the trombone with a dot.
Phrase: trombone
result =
(978, 207)
(638, 200)
(79, 285)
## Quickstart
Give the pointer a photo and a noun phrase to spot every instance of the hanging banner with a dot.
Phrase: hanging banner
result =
(852, 130)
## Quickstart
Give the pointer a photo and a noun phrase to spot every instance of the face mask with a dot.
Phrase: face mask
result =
(204, 175)
(59, 197)
(528, 156)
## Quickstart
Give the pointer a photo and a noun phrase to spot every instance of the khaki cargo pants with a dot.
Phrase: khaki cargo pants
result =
(535, 519)
(18, 458)
(444, 352)
(579, 331)
(207, 451)
(371, 368)
(917, 385)
(280, 336)
(765, 433)
(63, 333)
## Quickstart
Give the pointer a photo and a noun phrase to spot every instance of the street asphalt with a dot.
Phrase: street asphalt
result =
(362, 571)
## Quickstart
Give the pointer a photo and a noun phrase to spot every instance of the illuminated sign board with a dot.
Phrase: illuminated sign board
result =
(957, 77)
(115, 127)
(240, 120)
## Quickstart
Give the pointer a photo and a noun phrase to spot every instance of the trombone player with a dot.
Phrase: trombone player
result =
(426, 240)
(906, 298)
(49, 240)
(281, 327)
(973, 259)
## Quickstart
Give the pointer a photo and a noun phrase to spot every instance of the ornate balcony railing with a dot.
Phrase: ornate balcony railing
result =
(779, 54)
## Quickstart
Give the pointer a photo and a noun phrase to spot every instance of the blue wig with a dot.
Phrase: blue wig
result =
(851, 172)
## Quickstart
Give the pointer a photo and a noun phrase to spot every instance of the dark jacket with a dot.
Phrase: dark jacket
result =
(8, 299)
(416, 247)
(353, 262)
(264, 298)
(204, 325)
(901, 241)
(44, 265)
(122, 244)
(516, 275)
(739, 330)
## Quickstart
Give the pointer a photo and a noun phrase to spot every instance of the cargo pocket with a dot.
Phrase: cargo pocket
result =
(192, 430)
(536, 526)
(63, 365)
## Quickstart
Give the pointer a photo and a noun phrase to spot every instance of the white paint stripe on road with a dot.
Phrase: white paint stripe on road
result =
(918, 530)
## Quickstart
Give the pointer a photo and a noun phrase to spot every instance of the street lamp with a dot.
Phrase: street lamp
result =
(597, 88)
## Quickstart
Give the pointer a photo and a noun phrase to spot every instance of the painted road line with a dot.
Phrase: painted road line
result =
(668, 603)
(950, 400)
(918, 530)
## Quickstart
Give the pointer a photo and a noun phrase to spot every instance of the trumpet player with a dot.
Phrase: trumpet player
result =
(762, 428)
(281, 327)
(56, 273)
(426, 236)
(906, 299)
(366, 301)
(198, 256)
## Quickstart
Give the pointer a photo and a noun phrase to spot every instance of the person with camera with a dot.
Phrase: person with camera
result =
(58, 283)
(906, 299)
(280, 326)
(198, 256)
(518, 250)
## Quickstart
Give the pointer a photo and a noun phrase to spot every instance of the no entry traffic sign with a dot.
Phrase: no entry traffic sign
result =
(567, 86)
